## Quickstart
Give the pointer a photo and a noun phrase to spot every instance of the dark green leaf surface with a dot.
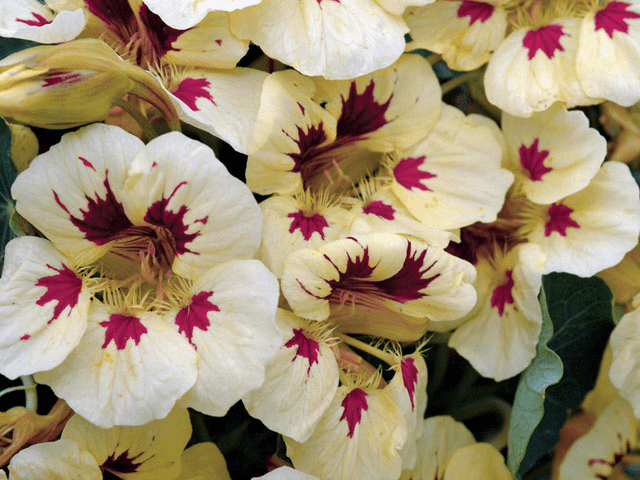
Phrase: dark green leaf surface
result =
(8, 174)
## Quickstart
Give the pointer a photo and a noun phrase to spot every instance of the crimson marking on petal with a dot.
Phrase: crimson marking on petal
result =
(597, 461)
(501, 295)
(301, 107)
(191, 89)
(39, 21)
(545, 38)
(117, 16)
(123, 463)
(63, 287)
(410, 378)
(406, 284)
(379, 209)
(104, 217)
(532, 160)
(305, 347)
(87, 163)
(475, 11)
(195, 314)
(121, 328)
(613, 18)
(218, 42)
(353, 404)
(559, 220)
(57, 78)
(308, 225)
(308, 143)
(158, 214)
(26, 336)
(408, 175)
(162, 35)
(361, 113)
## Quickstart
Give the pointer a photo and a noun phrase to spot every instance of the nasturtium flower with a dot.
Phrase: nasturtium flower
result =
(179, 308)
(625, 369)
(536, 67)
(551, 163)
(499, 336)
(609, 51)
(359, 436)
(326, 135)
(329, 38)
(379, 284)
(300, 381)
(589, 230)
(52, 21)
(453, 177)
(465, 32)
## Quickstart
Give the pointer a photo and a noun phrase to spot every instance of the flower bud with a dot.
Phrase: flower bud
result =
(72, 84)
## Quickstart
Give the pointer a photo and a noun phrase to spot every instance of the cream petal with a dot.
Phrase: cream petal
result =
(171, 185)
(625, 371)
(31, 20)
(233, 307)
(127, 370)
(59, 460)
(41, 290)
(500, 335)
(614, 49)
(185, 14)
(203, 461)
(453, 177)
(477, 462)
(329, 38)
(72, 193)
(146, 452)
(285, 473)
(300, 382)
(223, 103)
(534, 68)
(359, 436)
(551, 163)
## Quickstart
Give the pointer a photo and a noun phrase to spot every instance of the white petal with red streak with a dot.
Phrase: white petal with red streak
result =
(574, 152)
(226, 106)
(129, 386)
(608, 213)
(62, 171)
(226, 225)
(151, 451)
(32, 338)
(469, 185)
(297, 390)
(500, 346)
(372, 450)
(242, 337)
(333, 39)
(31, 20)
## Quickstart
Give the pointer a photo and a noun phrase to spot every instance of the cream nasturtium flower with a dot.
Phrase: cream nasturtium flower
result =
(330, 38)
(146, 283)
(379, 284)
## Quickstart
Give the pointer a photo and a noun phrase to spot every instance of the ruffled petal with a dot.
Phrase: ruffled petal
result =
(185, 14)
(31, 20)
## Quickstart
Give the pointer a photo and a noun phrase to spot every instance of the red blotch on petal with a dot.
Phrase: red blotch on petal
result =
(475, 11)
(25, 337)
(191, 89)
(308, 143)
(532, 160)
(63, 287)
(361, 113)
(195, 315)
(308, 225)
(305, 347)
(39, 20)
(545, 38)
(407, 174)
(501, 295)
(559, 219)
(410, 378)
(122, 463)
(121, 328)
(379, 209)
(613, 18)
(353, 404)
(59, 78)
(87, 163)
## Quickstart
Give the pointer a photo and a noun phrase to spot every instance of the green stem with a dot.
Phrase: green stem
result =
(457, 81)
(139, 117)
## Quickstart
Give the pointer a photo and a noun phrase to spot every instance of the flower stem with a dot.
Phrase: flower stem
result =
(139, 117)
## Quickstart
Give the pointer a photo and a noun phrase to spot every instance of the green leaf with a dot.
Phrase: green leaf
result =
(8, 174)
(528, 405)
(13, 45)
(580, 313)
